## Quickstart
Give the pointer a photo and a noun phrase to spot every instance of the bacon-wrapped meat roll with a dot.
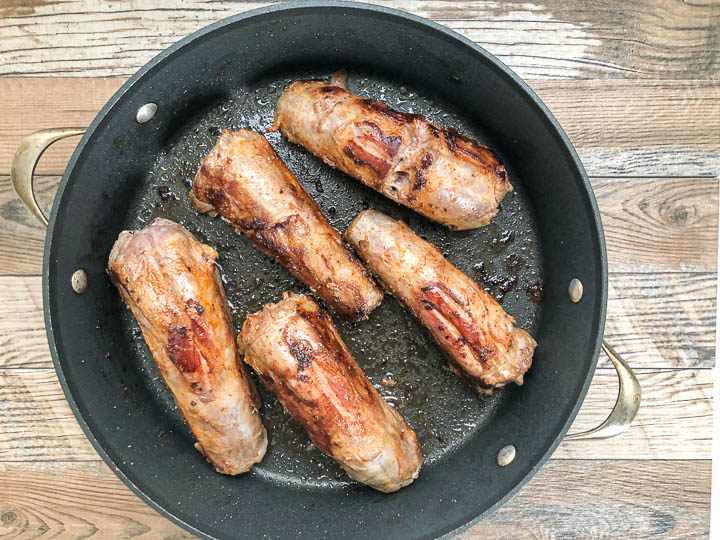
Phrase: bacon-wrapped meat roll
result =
(434, 170)
(170, 283)
(296, 351)
(481, 344)
(245, 181)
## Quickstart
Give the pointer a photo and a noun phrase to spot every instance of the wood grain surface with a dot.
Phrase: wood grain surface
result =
(644, 314)
(607, 499)
(566, 499)
(636, 86)
(652, 225)
(675, 133)
(553, 38)
(675, 421)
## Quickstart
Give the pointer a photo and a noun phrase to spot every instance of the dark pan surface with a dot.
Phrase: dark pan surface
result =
(228, 75)
(504, 257)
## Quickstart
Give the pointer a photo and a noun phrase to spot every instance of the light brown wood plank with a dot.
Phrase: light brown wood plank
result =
(565, 499)
(602, 499)
(650, 39)
(659, 224)
(75, 500)
(620, 128)
(651, 224)
(27, 105)
(23, 342)
(662, 320)
(22, 236)
(666, 160)
(598, 40)
(624, 114)
(674, 422)
(654, 320)
(38, 424)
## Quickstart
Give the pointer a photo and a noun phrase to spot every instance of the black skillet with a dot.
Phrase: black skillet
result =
(136, 162)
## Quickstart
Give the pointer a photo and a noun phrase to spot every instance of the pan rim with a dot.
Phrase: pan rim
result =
(500, 68)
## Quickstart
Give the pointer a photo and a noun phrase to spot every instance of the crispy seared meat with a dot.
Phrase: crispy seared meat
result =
(170, 282)
(481, 344)
(296, 351)
(245, 181)
(433, 170)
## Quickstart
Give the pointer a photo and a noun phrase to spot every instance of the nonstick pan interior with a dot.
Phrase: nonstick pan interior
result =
(123, 174)
(393, 350)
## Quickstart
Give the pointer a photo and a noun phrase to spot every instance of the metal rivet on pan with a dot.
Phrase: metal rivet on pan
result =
(146, 113)
(79, 281)
(506, 455)
(575, 290)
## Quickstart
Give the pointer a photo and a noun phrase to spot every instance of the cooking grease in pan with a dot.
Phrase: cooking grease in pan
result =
(393, 350)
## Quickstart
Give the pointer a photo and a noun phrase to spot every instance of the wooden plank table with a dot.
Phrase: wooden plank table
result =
(636, 87)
